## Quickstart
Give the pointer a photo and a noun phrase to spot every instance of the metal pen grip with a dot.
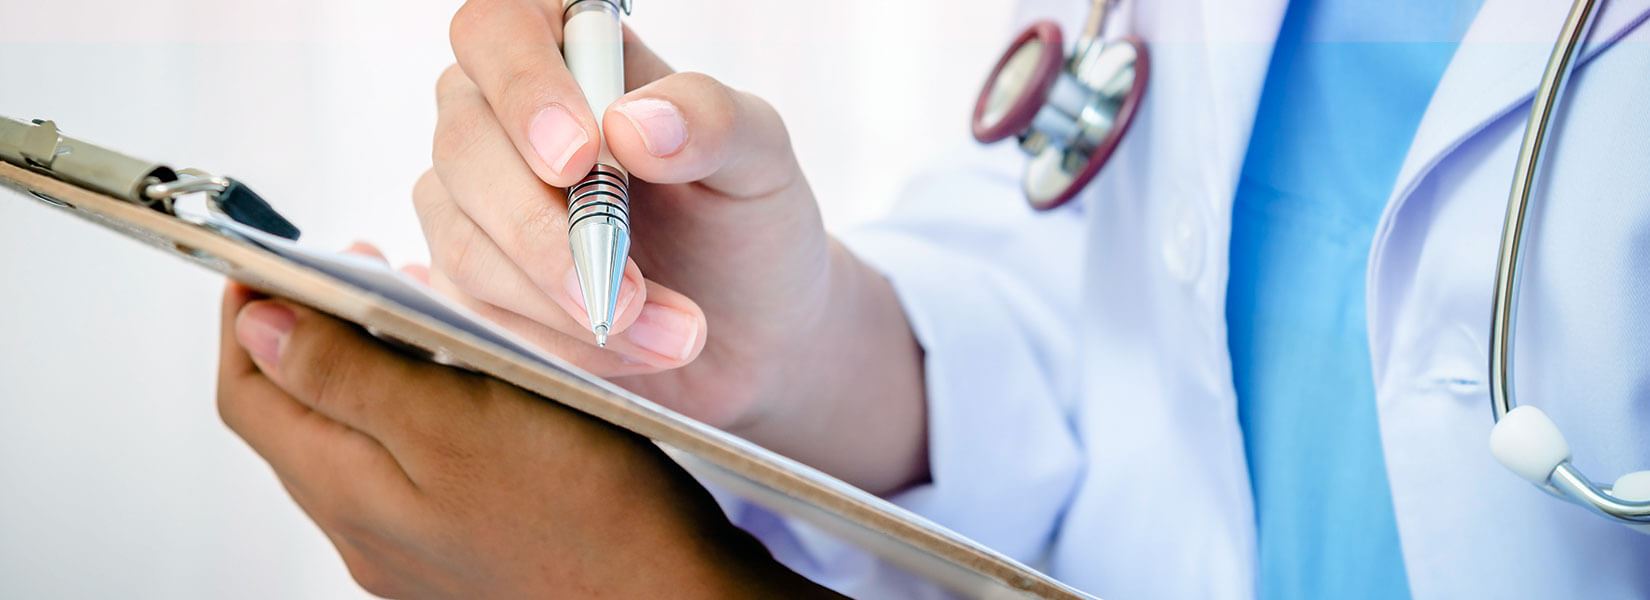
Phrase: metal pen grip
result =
(603, 195)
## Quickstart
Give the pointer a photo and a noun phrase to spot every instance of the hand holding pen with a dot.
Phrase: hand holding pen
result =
(744, 293)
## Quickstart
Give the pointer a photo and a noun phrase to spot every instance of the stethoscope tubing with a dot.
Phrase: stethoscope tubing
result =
(1503, 312)
(1566, 481)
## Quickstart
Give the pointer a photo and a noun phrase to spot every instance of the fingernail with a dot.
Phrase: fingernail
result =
(660, 123)
(556, 136)
(627, 292)
(664, 331)
(262, 329)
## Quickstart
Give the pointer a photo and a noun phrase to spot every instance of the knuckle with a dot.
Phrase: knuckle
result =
(758, 106)
(372, 578)
(521, 89)
(320, 372)
(469, 22)
(451, 80)
(770, 120)
(538, 223)
(458, 130)
(226, 405)
(696, 79)
(332, 389)
(462, 260)
(430, 199)
(722, 96)
(721, 103)
(427, 190)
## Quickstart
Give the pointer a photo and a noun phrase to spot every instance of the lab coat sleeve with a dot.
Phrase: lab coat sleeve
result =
(990, 290)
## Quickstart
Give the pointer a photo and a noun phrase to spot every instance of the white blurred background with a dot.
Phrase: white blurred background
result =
(116, 477)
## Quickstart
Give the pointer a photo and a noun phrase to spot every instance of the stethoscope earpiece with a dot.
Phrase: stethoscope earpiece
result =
(1069, 114)
(1526, 442)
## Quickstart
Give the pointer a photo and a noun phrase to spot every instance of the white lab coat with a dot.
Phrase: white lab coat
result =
(1082, 415)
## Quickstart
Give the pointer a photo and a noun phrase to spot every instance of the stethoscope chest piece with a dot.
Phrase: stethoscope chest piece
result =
(1068, 114)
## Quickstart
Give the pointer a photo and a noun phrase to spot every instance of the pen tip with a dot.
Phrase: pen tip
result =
(601, 336)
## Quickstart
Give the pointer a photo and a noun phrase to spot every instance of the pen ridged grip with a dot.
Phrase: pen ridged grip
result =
(602, 195)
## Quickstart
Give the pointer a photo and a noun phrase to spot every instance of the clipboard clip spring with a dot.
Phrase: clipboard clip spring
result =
(224, 196)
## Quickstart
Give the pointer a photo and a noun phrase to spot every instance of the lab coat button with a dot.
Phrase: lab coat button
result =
(1183, 244)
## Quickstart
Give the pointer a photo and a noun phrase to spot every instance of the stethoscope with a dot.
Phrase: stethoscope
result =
(1069, 113)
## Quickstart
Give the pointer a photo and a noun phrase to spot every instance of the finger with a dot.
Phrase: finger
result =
(341, 374)
(510, 49)
(688, 127)
(325, 465)
(575, 348)
(419, 273)
(233, 362)
(478, 268)
(666, 332)
(478, 170)
(500, 205)
(673, 330)
(367, 250)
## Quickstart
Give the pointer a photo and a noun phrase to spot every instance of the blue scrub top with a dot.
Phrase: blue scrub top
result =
(1347, 86)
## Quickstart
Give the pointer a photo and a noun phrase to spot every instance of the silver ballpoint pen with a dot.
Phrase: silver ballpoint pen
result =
(598, 206)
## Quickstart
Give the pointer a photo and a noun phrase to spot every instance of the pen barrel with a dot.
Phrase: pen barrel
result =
(598, 207)
(593, 48)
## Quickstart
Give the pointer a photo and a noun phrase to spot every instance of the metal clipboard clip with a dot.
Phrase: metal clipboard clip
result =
(39, 146)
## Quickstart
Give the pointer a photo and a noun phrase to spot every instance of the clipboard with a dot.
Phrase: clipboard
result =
(235, 232)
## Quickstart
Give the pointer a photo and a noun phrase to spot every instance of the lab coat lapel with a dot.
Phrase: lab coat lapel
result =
(1494, 72)
(1497, 69)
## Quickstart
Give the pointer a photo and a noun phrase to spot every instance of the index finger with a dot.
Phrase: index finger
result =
(510, 49)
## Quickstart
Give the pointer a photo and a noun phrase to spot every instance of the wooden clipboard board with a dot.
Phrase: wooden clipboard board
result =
(775, 482)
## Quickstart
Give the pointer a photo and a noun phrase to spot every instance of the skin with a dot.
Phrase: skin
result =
(434, 483)
(478, 491)
(793, 341)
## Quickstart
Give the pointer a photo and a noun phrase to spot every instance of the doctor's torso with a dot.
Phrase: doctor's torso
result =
(1162, 505)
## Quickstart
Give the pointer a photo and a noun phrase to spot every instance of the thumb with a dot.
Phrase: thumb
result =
(689, 127)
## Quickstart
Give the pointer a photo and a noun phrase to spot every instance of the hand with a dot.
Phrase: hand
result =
(736, 309)
(434, 483)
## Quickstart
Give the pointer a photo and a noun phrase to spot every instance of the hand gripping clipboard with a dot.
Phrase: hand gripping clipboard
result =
(236, 233)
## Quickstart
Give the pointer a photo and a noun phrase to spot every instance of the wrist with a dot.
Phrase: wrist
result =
(785, 354)
(853, 371)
